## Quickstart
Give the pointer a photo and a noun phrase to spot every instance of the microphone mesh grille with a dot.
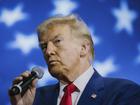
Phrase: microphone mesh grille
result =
(39, 72)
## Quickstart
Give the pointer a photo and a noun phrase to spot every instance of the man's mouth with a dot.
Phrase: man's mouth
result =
(52, 62)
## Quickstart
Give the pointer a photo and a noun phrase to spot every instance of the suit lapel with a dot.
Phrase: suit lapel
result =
(51, 95)
(92, 95)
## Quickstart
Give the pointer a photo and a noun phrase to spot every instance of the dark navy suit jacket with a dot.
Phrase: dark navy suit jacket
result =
(98, 91)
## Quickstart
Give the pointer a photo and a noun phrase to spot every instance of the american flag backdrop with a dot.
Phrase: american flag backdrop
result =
(114, 25)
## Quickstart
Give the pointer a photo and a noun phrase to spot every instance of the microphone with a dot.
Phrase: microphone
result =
(22, 86)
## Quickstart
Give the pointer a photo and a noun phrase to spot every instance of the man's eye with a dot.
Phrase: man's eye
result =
(57, 41)
(43, 46)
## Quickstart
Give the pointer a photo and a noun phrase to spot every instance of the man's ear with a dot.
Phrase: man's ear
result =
(85, 48)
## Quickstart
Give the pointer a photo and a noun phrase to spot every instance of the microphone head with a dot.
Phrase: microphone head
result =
(38, 71)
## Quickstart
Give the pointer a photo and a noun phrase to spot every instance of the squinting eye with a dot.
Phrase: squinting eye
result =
(57, 41)
(43, 47)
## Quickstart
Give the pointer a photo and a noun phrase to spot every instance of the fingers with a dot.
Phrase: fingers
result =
(25, 74)
(21, 77)
(34, 82)
(24, 95)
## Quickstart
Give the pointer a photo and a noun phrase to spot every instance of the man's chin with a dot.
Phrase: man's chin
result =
(54, 70)
(57, 73)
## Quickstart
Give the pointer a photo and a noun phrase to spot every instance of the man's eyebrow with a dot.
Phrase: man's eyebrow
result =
(55, 37)
(42, 43)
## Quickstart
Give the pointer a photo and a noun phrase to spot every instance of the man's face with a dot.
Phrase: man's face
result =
(61, 51)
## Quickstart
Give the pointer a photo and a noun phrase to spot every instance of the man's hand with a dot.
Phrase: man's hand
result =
(26, 98)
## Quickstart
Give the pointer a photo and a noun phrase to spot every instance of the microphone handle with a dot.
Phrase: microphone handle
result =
(22, 86)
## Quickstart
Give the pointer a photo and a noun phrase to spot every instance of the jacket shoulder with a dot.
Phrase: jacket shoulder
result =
(117, 83)
(121, 91)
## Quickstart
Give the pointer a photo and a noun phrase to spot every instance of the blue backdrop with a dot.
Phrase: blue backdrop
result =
(114, 24)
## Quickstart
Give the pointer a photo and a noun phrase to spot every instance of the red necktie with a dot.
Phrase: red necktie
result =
(68, 90)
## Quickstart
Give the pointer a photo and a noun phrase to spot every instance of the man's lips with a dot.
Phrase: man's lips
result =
(52, 62)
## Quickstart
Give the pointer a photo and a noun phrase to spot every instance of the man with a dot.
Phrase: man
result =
(68, 50)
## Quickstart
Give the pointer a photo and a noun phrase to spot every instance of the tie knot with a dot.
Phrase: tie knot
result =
(70, 88)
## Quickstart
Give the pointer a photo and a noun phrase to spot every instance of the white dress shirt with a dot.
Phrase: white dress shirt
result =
(80, 83)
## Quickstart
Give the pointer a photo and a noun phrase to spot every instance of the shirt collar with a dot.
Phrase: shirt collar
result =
(82, 80)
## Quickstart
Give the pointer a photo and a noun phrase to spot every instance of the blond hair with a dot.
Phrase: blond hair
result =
(74, 21)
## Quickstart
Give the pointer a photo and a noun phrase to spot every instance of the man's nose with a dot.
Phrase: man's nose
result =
(50, 50)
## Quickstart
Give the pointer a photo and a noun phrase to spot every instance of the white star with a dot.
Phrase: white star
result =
(106, 66)
(138, 57)
(95, 39)
(24, 42)
(63, 7)
(125, 17)
(10, 17)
